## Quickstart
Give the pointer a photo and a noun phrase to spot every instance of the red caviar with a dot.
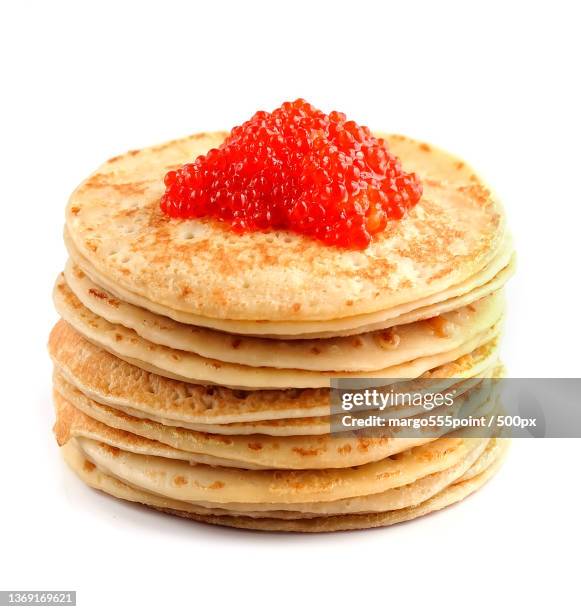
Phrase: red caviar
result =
(297, 169)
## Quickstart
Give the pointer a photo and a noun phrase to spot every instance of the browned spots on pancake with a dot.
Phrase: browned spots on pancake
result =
(306, 452)
(440, 326)
(236, 342)
(127, 213)
(296, 485)
(388, 475)
(349, 303)
(296, 307)
(129, 189)
(219, 296)
(185, 290)
(112, 450)
(315, 350)
(388, 338)
(128, 418)
(156, 219)
(478, 192)
(91, 245)
(98, 294)
(88, 466)
(363, 444)
(180, 481)
(425, 147)
(75, 210)
(133, 152)
(429, 455)
(217, 484)
(356, 342)
(100, 180)
(433, 248)
(118, 337)
(444, 271)
(459, 165)
(104, 296)
(78, 272)
(256, 446)
(345, 449)
(454, 368)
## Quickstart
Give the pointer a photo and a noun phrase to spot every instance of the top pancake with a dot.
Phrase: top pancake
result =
(200, 266)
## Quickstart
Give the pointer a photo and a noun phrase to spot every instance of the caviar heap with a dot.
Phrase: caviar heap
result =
(296, 169)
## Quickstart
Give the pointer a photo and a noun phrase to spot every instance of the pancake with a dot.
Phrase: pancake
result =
(475, 325)
(481, 284)
(392, 499)
(194, 365)
(109, 380)
(494, 451)
(347, 522)
(128, 418)
(398, 503)
(369, 351)
(72, 423)
(79, 416)
(200, 266)
(217, 485)
(306, 426)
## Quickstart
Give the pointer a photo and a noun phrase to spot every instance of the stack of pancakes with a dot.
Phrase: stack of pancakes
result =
(193, 364)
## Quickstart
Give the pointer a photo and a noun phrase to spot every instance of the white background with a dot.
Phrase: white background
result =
(496, 83)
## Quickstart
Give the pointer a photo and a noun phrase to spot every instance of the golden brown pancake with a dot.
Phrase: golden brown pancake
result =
(109, 380)
(403, 503)
(474, 326)
(365, 351)
(200, 266)
(489, 279)
(79, 416)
